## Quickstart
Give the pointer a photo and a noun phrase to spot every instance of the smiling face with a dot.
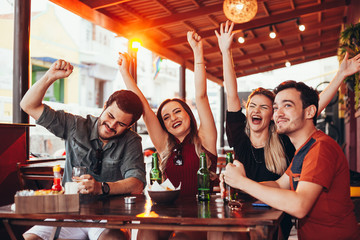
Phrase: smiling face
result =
(289, 115)
(176, 119)
(113, 122)
(259, 113)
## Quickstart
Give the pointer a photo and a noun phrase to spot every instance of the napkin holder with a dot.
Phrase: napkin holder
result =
(47, 203)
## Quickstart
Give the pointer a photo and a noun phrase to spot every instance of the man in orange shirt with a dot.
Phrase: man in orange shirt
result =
(316, 186)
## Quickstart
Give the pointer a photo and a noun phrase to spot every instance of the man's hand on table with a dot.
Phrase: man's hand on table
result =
(88, 185)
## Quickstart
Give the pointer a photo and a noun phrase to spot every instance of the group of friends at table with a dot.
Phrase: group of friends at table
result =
(281, 158)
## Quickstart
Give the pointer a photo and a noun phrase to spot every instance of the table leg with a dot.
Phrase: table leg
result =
(9, 229)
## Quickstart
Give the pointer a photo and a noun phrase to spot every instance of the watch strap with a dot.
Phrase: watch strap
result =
(105, 188)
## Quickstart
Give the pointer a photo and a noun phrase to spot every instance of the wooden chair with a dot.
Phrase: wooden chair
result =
(38, 174)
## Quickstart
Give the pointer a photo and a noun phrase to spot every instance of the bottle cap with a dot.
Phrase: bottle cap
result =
(57, 168)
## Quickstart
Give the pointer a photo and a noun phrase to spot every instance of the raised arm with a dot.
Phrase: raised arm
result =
(347, 67)
(207, 128)
(31, 103)
(157, 134)
(225, 38)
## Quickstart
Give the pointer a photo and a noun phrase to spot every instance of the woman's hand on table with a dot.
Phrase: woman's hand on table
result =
(88, 185)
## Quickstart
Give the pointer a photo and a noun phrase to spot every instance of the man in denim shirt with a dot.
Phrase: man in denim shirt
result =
(105, 145)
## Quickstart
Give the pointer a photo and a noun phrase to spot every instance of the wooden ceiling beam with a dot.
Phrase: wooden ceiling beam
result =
(256, 23)
(90, 14)
(250, 42)
(99, 4)
(330, 54)
(324, 48)
(110, 24)
(281, 60)
(174, 18)
(163, 5)
(300, 44)
(131, 11)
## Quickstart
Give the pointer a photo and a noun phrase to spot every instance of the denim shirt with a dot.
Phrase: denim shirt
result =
(122, 156)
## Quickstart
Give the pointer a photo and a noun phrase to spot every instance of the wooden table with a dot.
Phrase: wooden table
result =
(185, 214)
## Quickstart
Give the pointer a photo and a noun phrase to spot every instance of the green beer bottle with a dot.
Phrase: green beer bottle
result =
(155, 173)
(204, 209)
(230, 192)
(203, 177)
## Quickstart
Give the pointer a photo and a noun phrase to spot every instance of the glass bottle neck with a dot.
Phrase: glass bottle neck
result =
(155, 162)
(203, 162)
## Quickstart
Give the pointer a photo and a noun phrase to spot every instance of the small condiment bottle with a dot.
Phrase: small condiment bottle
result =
(57, 179)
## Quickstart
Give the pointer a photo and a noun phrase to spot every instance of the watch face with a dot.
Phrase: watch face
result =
(105, 188)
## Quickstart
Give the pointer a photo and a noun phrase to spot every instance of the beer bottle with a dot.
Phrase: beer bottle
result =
(230, 192)
(155, 173)
(203, 177)
(204, 209)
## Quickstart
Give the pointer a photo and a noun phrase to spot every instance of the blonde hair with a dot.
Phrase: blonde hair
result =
(275, 158)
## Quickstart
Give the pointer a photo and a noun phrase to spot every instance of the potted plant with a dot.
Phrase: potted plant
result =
(350, 42)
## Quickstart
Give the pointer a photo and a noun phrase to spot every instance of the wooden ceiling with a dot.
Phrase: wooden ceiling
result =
(162, 26)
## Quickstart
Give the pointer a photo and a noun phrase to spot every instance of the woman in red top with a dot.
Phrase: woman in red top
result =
(174, 131)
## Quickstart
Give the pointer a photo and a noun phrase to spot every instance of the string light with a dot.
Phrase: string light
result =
(287, 64)
(300, 26)
(136, 45)
(241, 39)
(272, 34)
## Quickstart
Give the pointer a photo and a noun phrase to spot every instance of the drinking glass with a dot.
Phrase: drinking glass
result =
(78, 172)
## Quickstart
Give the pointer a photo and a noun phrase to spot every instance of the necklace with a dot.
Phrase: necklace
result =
(253, 154)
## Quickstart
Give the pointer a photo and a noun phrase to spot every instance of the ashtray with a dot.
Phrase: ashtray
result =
(130, 199)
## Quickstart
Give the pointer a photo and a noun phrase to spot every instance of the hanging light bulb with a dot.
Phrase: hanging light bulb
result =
(272, 34)
(240, 11)
(300, 26)
(287, 64)
(241, 39)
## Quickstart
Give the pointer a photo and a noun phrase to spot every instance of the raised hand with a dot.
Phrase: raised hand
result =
(195, 42)
(350, 66)
(226, 36)
(123, 62)
(59, 69)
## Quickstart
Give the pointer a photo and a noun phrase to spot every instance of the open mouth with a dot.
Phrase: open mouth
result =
(256, 119)
(176, 125)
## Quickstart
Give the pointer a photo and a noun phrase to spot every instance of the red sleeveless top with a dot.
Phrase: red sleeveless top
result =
(187, 173)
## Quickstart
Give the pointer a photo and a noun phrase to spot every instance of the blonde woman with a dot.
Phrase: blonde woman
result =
(264, 153)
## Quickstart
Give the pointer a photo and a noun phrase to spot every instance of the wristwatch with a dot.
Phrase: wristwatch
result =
(105, 188)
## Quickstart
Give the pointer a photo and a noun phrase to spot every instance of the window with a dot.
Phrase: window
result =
(55, 93)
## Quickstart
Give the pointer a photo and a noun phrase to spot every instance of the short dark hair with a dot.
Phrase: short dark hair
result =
(308, 95)
(128, 102)
(193, 124)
